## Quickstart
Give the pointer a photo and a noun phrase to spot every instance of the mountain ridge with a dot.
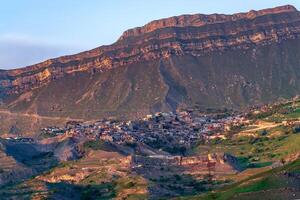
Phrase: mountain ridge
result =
(237, 63)
(108, 56)
(198, 20)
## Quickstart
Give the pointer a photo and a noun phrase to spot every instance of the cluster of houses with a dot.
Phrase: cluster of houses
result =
(160, 129)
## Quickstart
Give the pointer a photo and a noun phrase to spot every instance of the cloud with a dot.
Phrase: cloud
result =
(20, 51)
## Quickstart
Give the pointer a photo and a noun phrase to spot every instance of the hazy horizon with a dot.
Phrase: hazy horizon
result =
(32, 31)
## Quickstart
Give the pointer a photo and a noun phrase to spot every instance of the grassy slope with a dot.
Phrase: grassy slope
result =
(269, 180)
(260, 151)
(279, 143)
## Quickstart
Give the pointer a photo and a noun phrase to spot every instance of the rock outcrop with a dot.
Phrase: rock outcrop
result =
(194, 35)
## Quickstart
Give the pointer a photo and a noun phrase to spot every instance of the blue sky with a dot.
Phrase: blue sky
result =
(34, 30)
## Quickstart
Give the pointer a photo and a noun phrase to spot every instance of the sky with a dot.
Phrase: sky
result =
(35, 30)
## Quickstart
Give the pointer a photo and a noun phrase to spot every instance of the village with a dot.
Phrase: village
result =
(168, 130)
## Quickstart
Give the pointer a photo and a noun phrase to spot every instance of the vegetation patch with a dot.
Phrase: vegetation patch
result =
(99, 145)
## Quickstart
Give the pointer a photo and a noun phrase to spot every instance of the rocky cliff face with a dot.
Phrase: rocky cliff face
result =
(194, 35)
(200, 20)
(209, 60)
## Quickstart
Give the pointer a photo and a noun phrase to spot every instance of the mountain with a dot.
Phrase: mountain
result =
(216, 60)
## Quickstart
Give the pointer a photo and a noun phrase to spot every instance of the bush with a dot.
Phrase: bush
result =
(253, 140)
(296, 129)
(131, 144)
(264, 132)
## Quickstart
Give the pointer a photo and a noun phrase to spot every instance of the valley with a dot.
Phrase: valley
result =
(219, 154)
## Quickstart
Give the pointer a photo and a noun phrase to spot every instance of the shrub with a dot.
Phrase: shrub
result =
(296, 129)
(264, 132)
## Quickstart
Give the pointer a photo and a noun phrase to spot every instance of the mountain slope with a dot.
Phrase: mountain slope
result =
(279, 183)
(205, 60)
